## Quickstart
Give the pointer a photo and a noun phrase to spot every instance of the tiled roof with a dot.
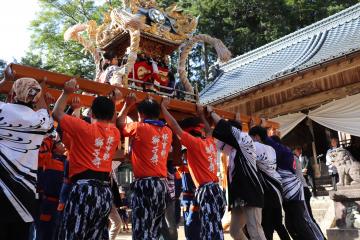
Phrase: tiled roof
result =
(322, 41)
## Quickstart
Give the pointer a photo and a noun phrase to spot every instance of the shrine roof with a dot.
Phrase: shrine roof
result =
(323, 41)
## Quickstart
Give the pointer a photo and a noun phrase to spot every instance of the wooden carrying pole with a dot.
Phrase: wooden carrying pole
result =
(180, 109)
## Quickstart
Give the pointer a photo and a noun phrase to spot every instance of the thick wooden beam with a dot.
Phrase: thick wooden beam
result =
(310, 101)
(180, 109)
(57, 80)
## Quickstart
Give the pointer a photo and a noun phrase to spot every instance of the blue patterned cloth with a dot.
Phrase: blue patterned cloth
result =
(148, 203)
(86, 211)
(190, 207)
(212, 205)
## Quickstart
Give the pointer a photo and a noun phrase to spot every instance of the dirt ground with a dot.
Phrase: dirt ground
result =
(181, 236)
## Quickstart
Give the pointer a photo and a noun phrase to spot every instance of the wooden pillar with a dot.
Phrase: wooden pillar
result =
(315, 166)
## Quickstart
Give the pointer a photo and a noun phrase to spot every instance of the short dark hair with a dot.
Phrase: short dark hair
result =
(257, 130)
(190, 123)
(109, 55)
(235, 124)
(103, 108)
(150, 108)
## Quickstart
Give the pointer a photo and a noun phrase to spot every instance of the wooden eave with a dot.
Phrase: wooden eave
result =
(121, 42)
(299, 91)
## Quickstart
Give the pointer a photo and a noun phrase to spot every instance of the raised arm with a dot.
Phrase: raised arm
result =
(201, 114)
(74, 108)
(69, 87)
(115, 96)
(216, 118)
(45, 98)
(129, 103)
(223, 131)
(170, 119)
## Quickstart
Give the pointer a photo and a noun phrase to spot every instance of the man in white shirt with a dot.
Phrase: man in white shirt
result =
(245, 202)
(272, 185)
(23, 125)
(330, 161)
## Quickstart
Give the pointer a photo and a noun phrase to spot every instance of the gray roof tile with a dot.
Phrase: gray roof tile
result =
(327, 39)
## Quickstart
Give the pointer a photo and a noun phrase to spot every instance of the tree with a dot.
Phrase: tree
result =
(306, 12)
(2, 68)
(48, 49)
(242, 25)
(34, 60)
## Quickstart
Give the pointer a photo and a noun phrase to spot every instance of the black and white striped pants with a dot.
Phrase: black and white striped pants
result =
(212, 205)
(86, 211)
(148, 203)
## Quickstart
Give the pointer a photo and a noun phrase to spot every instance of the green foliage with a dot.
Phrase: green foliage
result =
(48, 49)
(306, 12)
(243, 25)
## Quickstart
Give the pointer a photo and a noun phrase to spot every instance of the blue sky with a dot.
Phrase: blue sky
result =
(15, 19)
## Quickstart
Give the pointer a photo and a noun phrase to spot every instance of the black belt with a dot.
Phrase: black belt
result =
(91, 175)
(151, 178)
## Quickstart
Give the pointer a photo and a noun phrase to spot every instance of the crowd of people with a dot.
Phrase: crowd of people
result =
(57, 174)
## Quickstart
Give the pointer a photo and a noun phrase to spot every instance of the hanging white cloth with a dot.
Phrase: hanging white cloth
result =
(288, 122)
(340, 115)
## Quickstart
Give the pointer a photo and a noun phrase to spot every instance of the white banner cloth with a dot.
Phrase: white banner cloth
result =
(288, 122)
(341, 115)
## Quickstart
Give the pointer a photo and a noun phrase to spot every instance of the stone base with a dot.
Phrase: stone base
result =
(345, 198)
(347, 193)
(343, 234)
